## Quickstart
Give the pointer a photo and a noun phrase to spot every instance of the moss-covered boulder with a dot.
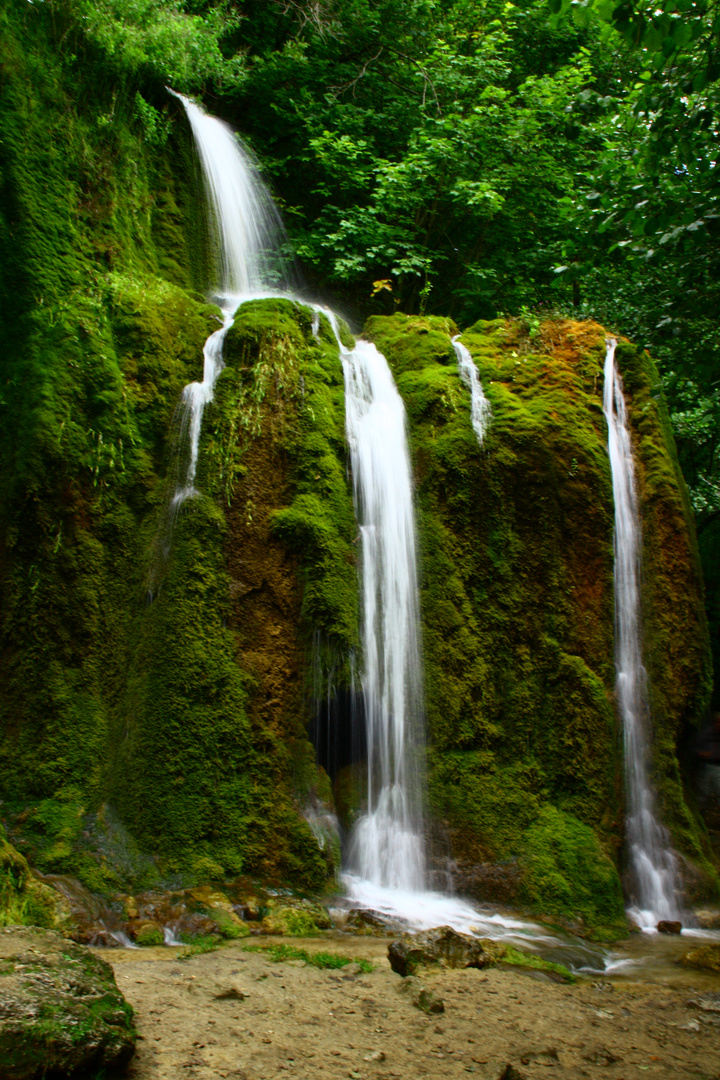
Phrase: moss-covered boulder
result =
(24, 899)
(296, 918)
(516, 543)
(62, 1012)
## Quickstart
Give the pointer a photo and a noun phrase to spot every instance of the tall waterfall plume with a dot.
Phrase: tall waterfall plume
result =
(480, 409)
(387, 845)
(653, 864)
(248, 240)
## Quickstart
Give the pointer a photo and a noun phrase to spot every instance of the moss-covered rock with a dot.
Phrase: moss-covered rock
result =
(24, 899)
(62, 1012)
(517, 599)
(296, 918)
(567, 871)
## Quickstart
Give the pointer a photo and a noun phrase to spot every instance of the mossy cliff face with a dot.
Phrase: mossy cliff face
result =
(155, 671)
(130, 729)
(516, 544)
(100, 330)
(215, 764)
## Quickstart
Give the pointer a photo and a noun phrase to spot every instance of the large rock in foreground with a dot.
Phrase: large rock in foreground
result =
(60, 1009)
(442, 946)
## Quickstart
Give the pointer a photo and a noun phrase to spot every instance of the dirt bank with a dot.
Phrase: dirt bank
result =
(233, 1013)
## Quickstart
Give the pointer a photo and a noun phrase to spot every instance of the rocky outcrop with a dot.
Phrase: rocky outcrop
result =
(442, 947)
(705, 958)
(60, 1009)
(24, 899)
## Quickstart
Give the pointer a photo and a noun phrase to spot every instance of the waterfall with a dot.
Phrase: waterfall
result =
(386, 852)
(653, 864)
(480, 410)
(386, 848)
(248, 238)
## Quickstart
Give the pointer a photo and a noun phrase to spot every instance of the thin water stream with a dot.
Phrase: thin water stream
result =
(653, 864)
(248, 238)
(480, 409)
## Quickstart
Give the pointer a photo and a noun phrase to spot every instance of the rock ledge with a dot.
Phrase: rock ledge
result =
(60, 1008)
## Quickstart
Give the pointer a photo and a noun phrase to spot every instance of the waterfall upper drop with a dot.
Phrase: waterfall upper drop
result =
(248, 239)
(653, 864)
(480, 409)
(386, 849)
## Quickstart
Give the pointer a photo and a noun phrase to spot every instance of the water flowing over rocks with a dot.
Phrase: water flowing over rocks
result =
(60, 1009)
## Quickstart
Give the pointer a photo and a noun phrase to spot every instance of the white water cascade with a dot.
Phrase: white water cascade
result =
(247, 235)
(387, 846)
(652, 861)
(480, 409)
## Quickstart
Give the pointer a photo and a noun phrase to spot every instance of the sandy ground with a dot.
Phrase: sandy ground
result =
(290, 1020)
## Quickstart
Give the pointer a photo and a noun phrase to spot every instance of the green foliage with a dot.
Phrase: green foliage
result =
(321, 960)
(424, 147)
(161, 39)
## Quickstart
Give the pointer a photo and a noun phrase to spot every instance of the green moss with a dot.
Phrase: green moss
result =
(517, 958)
(284, 383)
(25, 901)
(229, 925)
(156, 711)
(200, 945)
(566, 870)
(296, 918)
(149, 935)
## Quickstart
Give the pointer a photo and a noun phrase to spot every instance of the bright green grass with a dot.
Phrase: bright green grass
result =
(278, 953)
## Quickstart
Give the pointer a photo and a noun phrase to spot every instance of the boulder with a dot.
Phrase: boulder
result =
(707, 918)
(364, 921)
(146, 932)
(24, 898)
(667, 926)
(60, 1009)
(707, 958)
(445, 947)
(297, 918)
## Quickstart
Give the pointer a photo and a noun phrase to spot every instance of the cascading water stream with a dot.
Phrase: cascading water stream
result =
(248, 236)
(653, 863)
(387, 845)
(480, 409)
